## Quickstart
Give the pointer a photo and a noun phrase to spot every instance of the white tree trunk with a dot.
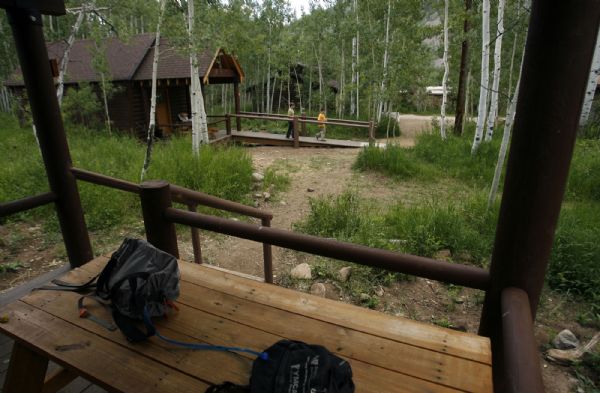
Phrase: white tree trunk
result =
(592, 84)
(152, 120)
(352, 96)
(446, 70)
(493, 114)
(485, 64)
(510, 117)
(65, 59)
(268, 109)
(280, 94)
(385, 63)
(357, 61)
(105, 99)
(199, 126)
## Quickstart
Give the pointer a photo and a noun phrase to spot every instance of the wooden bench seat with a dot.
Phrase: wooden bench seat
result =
(387, 354)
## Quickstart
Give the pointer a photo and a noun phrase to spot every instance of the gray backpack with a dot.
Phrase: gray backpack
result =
(138, 282)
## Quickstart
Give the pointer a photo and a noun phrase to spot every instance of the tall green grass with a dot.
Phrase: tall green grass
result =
(466, 228)
(221, 171)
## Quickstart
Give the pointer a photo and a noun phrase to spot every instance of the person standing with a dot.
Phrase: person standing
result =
(322, 126)
(290, 130)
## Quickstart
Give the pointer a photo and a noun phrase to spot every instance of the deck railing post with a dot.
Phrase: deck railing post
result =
(267, 255)
(236, 94)
(371, 132)
(296, 132)
(155, 197)
(558, 55)
(228, 123)
(195, 238)
(303, 124)
(33, 57)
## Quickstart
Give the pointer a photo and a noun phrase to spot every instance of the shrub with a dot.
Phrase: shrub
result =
(392, 160)
(574, 263)
(584, 175)
(465, 228)
(81, 105)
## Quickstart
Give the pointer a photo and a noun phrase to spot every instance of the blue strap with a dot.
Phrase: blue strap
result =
(208, 347)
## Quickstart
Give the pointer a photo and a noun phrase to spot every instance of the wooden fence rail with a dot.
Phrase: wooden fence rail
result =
(301, 121)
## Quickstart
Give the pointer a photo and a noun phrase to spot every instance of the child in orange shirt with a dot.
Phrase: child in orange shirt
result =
(322, 127)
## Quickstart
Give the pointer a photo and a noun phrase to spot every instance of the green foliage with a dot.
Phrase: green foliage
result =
(584, 177)
(81, 105)
(221, 171)
(276, 180)
(10, 267)
(465, 228)
(394, 161)
(574, 266)
(453, 157)
(387, 127)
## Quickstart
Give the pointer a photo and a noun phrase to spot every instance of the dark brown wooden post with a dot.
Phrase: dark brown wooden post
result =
(558, 53)
(267, 255)
(303, 125)
(29, 39)
(296, 132)
(464, 70)
(156, 197)
(228, 123)
(195, 239)
(236, 94)
(26, 370)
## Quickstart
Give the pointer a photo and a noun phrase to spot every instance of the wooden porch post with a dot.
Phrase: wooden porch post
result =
(33, 57)
(155, 196)
(236, 94)
(558, 54)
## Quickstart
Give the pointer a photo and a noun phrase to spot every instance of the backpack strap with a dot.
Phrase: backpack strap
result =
(60, 285)
(84, 313)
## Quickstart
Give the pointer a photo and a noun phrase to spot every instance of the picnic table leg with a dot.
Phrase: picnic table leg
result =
(26, 371)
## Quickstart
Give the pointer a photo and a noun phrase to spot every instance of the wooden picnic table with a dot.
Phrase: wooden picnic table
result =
(387, 353)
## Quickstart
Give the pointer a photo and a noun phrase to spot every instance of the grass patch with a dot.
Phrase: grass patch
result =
(225, 172)
(574, 263)
(466, 229)
(394, 161)
(584, 176)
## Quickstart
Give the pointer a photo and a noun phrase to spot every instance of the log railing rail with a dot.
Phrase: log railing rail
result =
(301, 121)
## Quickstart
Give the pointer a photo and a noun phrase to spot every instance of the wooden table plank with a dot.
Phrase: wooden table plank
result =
(97, 359)
(465, 345)
(437, 367)
(421, 363)
(197, 326)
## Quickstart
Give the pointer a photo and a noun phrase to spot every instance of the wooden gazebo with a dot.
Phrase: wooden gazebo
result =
(387, 353)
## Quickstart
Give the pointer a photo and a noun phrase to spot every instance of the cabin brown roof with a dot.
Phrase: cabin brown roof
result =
(130, 60)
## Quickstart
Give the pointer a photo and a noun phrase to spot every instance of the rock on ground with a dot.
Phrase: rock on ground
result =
(257, 177)
(318, 289)
(302, 272)
(344, 273)
(565, 340)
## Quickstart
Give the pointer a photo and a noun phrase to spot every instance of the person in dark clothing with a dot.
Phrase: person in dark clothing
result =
(290, 130)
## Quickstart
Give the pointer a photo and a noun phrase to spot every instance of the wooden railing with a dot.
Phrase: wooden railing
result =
(299, 123)
(192, 199)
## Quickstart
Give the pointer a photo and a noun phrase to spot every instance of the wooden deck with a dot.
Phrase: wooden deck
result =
(387, 354)
(272, 139)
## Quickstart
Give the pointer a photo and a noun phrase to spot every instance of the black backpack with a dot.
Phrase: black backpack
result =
(295, 367)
